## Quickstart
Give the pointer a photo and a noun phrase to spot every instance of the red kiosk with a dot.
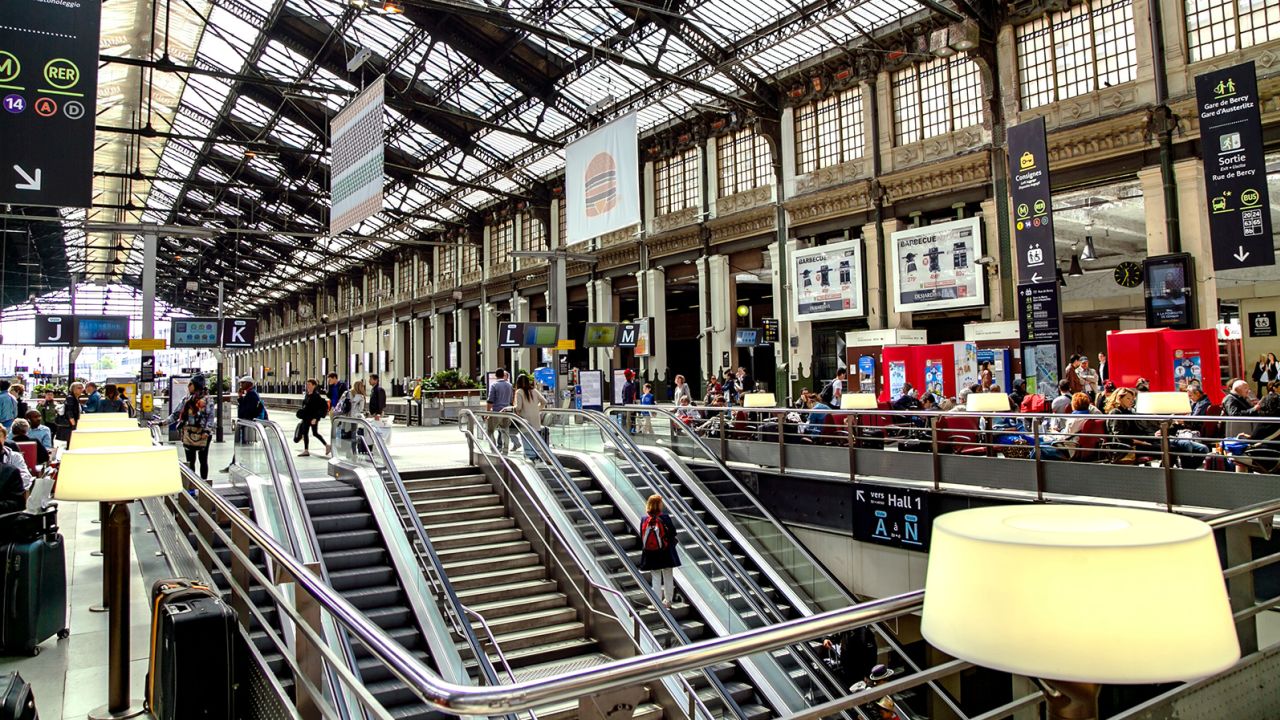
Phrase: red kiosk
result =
(1168, 359)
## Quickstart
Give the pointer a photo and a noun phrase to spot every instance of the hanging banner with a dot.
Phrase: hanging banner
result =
(936, 266)
(1032, 202)
(602, 181)
(49, 91)
(828, 281)
(1235, 168)
(356, 159)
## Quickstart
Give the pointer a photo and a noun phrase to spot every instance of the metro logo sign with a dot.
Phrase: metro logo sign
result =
(239, 333)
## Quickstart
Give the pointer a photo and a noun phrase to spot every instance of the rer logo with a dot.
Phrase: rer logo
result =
(61, 73)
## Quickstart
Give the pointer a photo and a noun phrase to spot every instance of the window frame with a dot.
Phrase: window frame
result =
(1086, 48)
(744, 162)
(959, 83)
(678, 182)
(836, 138)
(1231, 16)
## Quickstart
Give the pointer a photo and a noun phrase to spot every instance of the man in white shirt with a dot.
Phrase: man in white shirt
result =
(837, 387)
(1088, 377)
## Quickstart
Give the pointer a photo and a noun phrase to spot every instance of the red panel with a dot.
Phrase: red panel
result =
(1154, 355)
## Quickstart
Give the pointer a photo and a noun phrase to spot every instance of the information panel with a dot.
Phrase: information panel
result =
(510, 335)
(102, 331)
(600, 335)
(541, 335)
(1032, 202)
(1235, 168)
(48, 89)
(1038, 313)
(355, 179)
(898, 517)
(1170, 292)
(193, 332)
(55, 330)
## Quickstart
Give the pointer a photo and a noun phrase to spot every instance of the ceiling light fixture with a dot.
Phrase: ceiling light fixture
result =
(1075, 270)
(1089, 252)
(391, 8)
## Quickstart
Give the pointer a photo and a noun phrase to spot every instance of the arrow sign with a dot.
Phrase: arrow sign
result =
(1240, 253)
(28, 182)
(1035, 278)
(861, 497)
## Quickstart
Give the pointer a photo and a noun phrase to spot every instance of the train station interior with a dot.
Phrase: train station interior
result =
(610, 359)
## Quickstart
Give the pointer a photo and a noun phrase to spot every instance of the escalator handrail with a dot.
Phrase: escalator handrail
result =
(750, 591)
(489, 700)
(528, 434)
(423, 547)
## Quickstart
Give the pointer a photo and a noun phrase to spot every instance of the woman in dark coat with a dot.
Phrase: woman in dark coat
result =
(658, 554)
(315, 407)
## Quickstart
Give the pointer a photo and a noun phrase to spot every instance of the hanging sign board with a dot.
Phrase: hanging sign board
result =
(147, 344)
(48, 94)
(102, 330)
(55, 330)
(894, 516)
(1038, 312)
(1262, 324)
(1235, 169)
(1032, 202)
(828, 281)
(935, 269)
(510, 335)
(772, 330)
(194, 332)
(239, 333)
(356, 158)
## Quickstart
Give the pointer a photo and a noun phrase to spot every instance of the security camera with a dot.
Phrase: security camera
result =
(324, 318)
(985, 260)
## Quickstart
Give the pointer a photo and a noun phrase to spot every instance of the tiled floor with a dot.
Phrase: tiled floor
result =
(69, 677)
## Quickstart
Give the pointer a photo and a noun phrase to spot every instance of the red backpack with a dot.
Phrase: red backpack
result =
(1034, 403)
(653, 536)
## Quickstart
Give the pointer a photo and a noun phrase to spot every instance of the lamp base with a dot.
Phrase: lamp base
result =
(135, 709)
(1071, 700)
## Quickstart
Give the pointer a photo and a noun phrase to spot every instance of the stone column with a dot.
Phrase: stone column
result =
(991, 228)
(653, 303)
(439, 350)
(418, 346)
(714, 287)
(1153, 202)
(600, 309)
(894, 318)
(873, 257)
(467, 344)
(489, 336)
(1193, 231)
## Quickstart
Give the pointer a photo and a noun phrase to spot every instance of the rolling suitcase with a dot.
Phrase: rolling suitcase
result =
(17, 702)
(192, 654)
(35, 581)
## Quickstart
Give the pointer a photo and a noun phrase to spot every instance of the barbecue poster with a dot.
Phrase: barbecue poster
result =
(828, 281)
(936, 266)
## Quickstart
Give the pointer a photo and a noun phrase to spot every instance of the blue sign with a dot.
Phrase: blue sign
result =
(545, 377)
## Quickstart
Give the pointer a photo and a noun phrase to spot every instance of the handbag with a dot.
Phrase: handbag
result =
(300, 431)
(194, 436)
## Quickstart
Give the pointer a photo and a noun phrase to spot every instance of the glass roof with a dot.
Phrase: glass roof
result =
(481, 94)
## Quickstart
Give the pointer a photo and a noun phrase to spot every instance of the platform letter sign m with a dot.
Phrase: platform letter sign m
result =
(627, 335)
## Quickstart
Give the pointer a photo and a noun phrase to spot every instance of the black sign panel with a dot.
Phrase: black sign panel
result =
(1032, 203)
(510, 335)
(148, 372)
(102, 330)
(1038, 319)
(893, 516)
(1170, 292)
(1235, 171)
(1262, 324)
(772, 330)
(55, 330)
(48, 93)
(628, 334)
(239, 333)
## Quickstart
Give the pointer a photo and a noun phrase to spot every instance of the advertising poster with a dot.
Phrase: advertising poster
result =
(592, 384)
(897, 378)
(1186, 369)
(866, 374)
(966, 359)
(935, 267)
(1041, 367)
(602, 181)
(933, 377)
(828, 281)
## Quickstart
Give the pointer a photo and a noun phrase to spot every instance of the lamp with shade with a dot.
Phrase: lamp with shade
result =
(858, 401)
(1163, 403)
(758, 400)
(987, 402)
(1078, 595)
(106, 437)
(118, 476)
(111, 420)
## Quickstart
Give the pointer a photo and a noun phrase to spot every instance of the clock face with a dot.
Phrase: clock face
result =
(1128, 274)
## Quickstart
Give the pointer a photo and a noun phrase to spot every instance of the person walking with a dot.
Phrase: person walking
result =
(195, 425)
(335, 390)
(658, 555)
(70, 412)
(8, 405)
(314, 408)
(377, 397)
(500, 396)
(112, 402)
(681, 390)
(529, 404)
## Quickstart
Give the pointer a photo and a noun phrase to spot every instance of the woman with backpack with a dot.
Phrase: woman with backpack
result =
(658, 554)
(195, 425)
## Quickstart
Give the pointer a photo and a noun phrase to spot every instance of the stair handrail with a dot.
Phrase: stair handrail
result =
(428, 559)
(529, 434)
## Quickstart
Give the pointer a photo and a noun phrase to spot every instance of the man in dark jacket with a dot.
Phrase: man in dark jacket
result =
(336, 390)
(377, 397)
(1237, 402)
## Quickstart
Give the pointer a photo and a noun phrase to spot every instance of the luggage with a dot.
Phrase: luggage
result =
(192, 671)
(17, 702)
(35, 582)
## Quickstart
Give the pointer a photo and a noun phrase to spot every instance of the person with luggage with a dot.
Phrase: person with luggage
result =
(314, 408)
(658, 554)
(855, 653)
(195, 426)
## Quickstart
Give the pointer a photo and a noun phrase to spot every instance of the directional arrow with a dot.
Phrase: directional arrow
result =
(28, 182)
(1035, 278)
(861, 497)
(1240, 253)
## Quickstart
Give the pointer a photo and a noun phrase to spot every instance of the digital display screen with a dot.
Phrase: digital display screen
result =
(541, 334)
(601, 335)
(1169, 295)
(193, 332)
(102, 331)
(746, 337)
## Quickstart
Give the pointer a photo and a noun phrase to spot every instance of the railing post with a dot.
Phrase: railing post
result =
(937, 459)
(310, 661)
(1165, 462)
(240, 571)
(1240, 587)
(782, 442)
(853, 448)
(1035, 439)
(206, 531)
(724, 436)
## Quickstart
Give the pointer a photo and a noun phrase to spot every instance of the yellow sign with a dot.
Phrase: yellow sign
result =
(1027, 161)
(567, 345)
(147, 402)
(147, 344)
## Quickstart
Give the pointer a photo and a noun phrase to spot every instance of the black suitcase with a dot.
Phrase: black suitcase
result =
(17, 702)
(35, 582)
(192, 653)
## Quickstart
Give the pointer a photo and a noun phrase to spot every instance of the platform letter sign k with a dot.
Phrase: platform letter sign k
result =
(237, 335)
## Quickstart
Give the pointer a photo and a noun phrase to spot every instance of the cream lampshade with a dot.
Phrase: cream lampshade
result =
(987, 402)
(1163, 403)
(858, 401)
(105, 420)
(109, 437)
(118, 474)
(758, 400)
(1079, 593)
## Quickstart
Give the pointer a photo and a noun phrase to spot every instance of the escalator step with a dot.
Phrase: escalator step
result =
(345, 522)
(379, 596)
(408, 637)
(336, 506)
(348, 540)
(339, 560)
(362, 577)
(392, 618)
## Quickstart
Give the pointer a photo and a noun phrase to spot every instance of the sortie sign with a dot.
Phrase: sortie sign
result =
(48, 94)
(1235, 172)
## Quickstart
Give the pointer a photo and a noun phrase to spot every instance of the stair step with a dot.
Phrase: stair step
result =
(482, 550)
(538, 636)
(527, 620)
(524, 656)
(506, 607)
(483, 593)
(497, 577)
(443, 491)
(434, 504)
(464, 568)
(486, 537)
(448, 528)
(446, 516)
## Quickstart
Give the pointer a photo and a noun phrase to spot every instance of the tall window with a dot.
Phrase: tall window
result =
(563, 222)
(534, 235)
(448, 255)
(936, 97)
(424, 270)
(744, 161)
(404, 271)
(502, 238)
(470, 258)
(1076, 51)
(829, 131)
(1217, 27)
(677, 181)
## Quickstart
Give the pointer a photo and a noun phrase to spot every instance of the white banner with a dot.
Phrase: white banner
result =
(602, 181)
(828, 281)
(356, 159)
(936, 266)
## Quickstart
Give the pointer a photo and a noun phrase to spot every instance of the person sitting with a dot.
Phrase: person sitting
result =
(40, 432)
(1200, 402)
(20, 431)
(818, 417)
(1260, 451)
(1062, 445)
(1019, 393)
(907, 400)
(685, 411)
(1237, 402)
(1144, 435)
(11, 457)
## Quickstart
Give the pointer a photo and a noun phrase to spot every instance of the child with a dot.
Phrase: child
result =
(646, 422)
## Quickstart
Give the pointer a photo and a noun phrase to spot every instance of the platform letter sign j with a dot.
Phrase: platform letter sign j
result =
(57, 333)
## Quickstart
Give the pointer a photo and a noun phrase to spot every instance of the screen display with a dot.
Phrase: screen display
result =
(1168, 293)
(193, 332)
(541, 334)
(102, 331)
(601, 335)
(746, 337)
